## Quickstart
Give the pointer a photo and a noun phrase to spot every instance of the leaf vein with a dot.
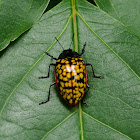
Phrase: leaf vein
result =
(58, 124)
(33, 67)
(108, 46)
(115, 20)
(106, 125)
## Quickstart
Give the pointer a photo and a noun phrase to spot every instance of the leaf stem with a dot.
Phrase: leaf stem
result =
(58, 125)
(74, 25)
(76, 50)
(81, 121)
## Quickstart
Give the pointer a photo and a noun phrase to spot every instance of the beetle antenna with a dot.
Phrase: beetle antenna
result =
(71, 41)
(59, 43)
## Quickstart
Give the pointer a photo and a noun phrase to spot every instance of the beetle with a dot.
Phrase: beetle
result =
(70, 76)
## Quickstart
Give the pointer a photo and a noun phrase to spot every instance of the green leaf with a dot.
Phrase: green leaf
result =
(126, 11)
(18, 16)
(113, 102)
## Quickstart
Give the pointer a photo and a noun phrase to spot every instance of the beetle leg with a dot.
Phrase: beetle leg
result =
(88, 88)
(93, 72)
(51, 56)
(42, 77)
(83, 50)
(86, 92)
(84, 103)
(48, 95)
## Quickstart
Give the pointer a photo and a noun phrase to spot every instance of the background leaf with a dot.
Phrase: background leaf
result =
(113, 102)
(126, 11)
(18, 16)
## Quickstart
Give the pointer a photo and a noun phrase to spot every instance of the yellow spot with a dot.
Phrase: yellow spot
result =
(73, 81)
(61, 88)
(58, 60)
(63, 67)
(65, 79)
(64, 96)
(62, 84)
(60, 77)
(76, 89)
(84, 85)
(64, 73)
(77, 85)
(81, 70)
(84, 80)
(79, 94)
(83, 67)
(81, 75)
(74, 84)
(66, 62)
(77, 70)
(70, 101)
(69, 84)
(73, 73)
(63, 60)
(71, 95)
(78, 63)
(82, 90)
(58, 66)
(77, 77)
(72, 60)
(60, 71)
(76, 96)
(76, 101)
(68, 75)
(68, 91)
(81, 84)
(66, 84)
(64, 90)
(76, 67)
(68, 97)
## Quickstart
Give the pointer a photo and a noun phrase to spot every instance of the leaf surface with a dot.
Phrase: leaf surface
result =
(18, 16)
(126, 11)
(113, 102)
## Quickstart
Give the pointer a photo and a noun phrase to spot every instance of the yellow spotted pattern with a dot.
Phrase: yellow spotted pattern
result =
(71, 79)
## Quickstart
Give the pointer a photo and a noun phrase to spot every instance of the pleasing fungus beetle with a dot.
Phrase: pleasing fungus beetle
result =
(70, 76)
